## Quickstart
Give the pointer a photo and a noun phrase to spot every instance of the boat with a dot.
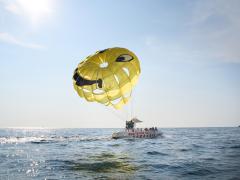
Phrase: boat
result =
(131, 131)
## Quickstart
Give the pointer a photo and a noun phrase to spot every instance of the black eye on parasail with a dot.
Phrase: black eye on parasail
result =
(124, 58)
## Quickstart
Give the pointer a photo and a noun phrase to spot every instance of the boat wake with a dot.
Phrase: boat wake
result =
(52, 139)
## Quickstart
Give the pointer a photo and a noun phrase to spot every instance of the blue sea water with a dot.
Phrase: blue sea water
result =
(182, 153)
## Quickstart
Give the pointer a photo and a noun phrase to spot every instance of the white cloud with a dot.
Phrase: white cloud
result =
(8, 38)
(214, 29)
(209, 33)
(36, 11)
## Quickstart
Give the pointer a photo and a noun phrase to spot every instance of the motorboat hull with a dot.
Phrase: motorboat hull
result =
(136, 134)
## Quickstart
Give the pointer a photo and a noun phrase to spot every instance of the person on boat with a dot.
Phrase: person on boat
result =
(129, 124)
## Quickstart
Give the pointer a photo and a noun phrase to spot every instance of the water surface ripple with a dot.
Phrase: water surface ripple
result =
(182, 153)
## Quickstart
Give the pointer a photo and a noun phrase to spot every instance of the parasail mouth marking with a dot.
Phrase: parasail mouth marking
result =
(81, 81)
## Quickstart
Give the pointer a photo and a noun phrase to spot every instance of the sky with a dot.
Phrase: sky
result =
(189, 53)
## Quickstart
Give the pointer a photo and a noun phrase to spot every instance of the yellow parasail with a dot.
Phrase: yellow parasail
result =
(107, 77)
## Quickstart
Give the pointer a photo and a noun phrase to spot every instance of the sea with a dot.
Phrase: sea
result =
(181, 153)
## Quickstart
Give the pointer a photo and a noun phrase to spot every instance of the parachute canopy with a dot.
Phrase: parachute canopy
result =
(107, 77)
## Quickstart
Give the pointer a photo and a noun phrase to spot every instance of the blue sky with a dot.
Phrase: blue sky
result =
(189, 53)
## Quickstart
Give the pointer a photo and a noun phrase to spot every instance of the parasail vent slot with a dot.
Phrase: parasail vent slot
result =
(103, 65)
(126, 71)
(116, 101)
(98, 91)
(86, 90)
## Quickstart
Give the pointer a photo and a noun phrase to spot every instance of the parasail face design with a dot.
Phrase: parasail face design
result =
(107, 77)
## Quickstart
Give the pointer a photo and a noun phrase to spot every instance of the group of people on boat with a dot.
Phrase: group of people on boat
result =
(130, 125)
(151, 129)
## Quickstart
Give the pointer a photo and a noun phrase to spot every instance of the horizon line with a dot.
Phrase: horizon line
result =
(166, 127)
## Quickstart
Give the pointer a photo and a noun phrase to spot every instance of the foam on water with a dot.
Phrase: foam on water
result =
(41, 140)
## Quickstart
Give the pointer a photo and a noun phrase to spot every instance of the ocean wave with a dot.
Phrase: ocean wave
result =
(184, 150)
(197, 169)
(198, 172)
(208, 159)
(157, 153)
(235, 147)
(115, 145)
(159, 166)
(197, 146)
